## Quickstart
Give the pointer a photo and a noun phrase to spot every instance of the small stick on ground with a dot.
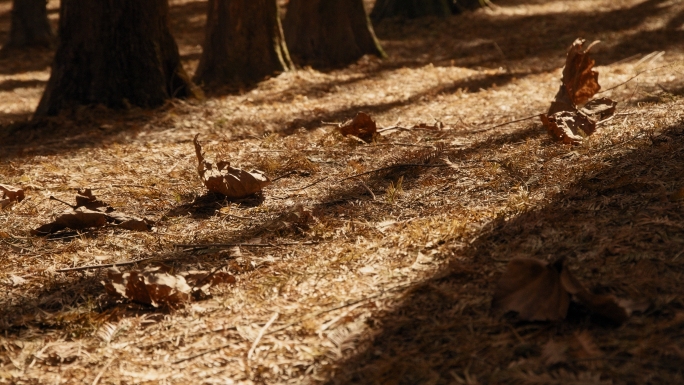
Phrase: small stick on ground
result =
(92, 267)
(261, 335)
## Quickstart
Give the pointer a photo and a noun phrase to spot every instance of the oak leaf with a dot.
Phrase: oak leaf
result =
(232, 182)
(362, 126)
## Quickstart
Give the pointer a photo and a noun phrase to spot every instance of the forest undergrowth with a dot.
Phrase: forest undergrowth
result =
(362, 261)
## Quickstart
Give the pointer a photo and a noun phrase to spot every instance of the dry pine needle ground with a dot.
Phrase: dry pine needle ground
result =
(385, 278)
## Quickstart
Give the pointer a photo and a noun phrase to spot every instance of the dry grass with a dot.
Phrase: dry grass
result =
(395, 288)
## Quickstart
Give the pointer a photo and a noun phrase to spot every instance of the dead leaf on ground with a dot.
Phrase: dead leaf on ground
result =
(539, 291)
(158, 286)
(232, 182)
(297, 218)
(564, 120)
(362, 126)
(532, 288)
(89, 213)
(10, 194)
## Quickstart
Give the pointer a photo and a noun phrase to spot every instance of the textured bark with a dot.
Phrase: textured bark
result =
(411, 8)
(118, 53)
(243, 44)
(329, 33)
(29, 24)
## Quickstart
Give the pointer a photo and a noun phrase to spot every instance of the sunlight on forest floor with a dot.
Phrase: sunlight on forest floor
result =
(386, 278)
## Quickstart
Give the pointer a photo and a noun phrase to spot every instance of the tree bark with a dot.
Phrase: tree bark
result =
(243, 44)
(329, 33)
(459, 6)
(29, 25)
(118, 53)
(411, 8)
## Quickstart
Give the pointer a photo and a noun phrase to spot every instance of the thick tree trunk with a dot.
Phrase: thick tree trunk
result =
(329, 33)
(118, 53)
(411, 8)
(468, 5)
(29, 25)
(243, 44)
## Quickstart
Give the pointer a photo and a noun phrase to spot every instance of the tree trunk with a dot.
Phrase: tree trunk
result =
(329, 33)
(118, 53)
(29, 25)
(411, 8)
(468, 5)
(243, 44)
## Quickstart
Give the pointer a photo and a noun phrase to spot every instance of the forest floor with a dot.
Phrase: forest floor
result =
(382, 279)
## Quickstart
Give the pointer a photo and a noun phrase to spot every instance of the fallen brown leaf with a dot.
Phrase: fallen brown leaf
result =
(531, 288)
(580, 81)
(564, 121)
(14, 194)
(568, 127)
(362, 126)
(539, 291)
(90, 212)
(10, 194)
(158, 286)
(232, 182)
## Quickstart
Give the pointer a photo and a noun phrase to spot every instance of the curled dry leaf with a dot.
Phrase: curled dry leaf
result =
(580, 81)
(14, 194)
(568, 127)
(158, 286)
(362, 126)
(232, 182)
(564, 120)
(539, 291)
(90, 212)
(10, 194)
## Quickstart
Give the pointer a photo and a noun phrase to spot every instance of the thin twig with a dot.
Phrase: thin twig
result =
(309, 185)
(61, 201)
(283, 176)
(634, 77)
(368, 189)
(261, 334)
(503, 124)
(99, 375)
(92, 267)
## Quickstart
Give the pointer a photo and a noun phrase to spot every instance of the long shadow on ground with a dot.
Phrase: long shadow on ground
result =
(622, 232)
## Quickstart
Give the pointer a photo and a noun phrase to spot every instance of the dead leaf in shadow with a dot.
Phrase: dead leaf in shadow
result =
(232, 182)
(362, 126)
(531, 288)
(539, 291)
